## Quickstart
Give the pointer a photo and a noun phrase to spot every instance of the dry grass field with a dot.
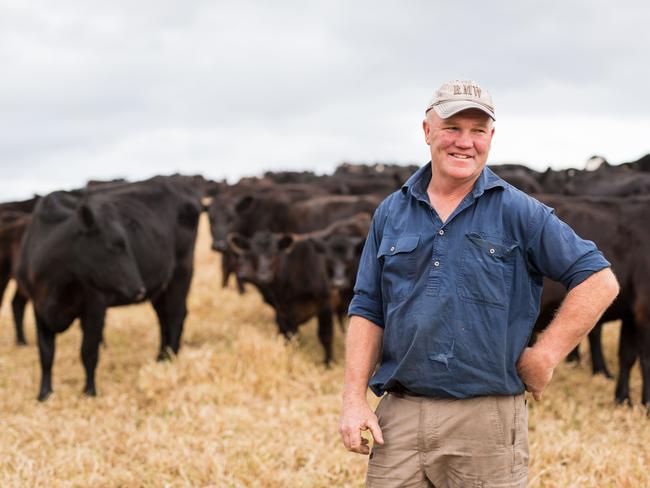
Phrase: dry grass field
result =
(240, 408)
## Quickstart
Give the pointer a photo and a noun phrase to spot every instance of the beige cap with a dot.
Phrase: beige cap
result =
(458, 95)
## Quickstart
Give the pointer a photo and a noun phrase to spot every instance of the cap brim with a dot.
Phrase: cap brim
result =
(445, 110)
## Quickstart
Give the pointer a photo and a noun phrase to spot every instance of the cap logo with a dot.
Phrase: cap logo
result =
(471, 90)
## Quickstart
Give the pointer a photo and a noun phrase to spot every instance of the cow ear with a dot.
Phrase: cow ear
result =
(243, 203)
(86, 216)
(238, 243)
(285, 243)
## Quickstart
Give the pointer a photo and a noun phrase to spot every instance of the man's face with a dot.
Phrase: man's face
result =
(460, 144)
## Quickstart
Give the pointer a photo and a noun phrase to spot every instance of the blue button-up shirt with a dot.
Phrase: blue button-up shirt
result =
(458, 300)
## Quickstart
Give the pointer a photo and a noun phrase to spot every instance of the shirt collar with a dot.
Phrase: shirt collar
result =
(418, 182)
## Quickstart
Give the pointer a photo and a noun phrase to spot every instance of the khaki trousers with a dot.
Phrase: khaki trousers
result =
(445, 442)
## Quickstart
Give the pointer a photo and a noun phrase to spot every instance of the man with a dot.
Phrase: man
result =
(447, 293)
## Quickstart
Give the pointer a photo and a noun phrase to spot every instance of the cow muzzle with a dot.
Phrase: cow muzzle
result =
(220, 246)
(340, 282)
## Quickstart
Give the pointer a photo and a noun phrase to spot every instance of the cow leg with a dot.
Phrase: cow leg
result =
(645, 370)
(46, 348)
(171, 308)
(598, 364)
(240, 285)
(18, 306)
(165, 342)
(284, 326)
(228, 266)
(226, 269)
(4, 281)
(643, 333)
(326, 332)
(92, 326)
(341, 313)
(627, 353)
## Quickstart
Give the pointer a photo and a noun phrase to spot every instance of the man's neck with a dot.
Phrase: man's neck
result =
(445, 194)
(445, 187)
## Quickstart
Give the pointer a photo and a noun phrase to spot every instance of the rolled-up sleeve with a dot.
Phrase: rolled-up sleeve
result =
(367, 301)
(558, 253)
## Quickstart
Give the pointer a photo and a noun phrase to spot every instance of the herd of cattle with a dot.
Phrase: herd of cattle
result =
(296, 237)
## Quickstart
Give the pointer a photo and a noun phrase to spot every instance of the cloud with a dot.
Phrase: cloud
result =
(227, 88)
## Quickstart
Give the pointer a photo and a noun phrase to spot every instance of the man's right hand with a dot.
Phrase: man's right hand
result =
(357, 417)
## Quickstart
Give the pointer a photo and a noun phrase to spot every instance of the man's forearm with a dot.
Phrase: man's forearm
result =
(362, 352)
(579, 312)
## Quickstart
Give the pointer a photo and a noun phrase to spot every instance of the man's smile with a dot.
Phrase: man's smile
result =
(460, 156)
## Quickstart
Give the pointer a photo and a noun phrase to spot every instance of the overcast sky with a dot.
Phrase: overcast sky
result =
(92, 89)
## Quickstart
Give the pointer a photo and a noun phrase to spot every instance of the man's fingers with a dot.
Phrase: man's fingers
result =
(537, 394)
(346, 439)
(355, 440)
(362, 448)
(375, 430)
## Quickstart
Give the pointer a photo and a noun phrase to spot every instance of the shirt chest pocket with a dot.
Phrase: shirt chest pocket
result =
(486, 272)
(398, 258)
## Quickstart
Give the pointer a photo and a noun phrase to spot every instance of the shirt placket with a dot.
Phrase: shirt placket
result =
(438, 257)
(440, 248)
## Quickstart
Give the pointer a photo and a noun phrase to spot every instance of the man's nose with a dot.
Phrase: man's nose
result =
(464, 140)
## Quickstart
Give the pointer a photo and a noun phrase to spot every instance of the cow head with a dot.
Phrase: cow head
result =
(224, 212)
(103, 257)
(258, 257)
(342, 254)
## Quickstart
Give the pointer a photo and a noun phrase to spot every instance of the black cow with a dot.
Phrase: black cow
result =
(292, 277)
(229, 208)
(25, 206)
(519, 176)
(85, 252)
(605, 181)
(616, 225)
(342, 243)
(277, 211)
(292, 176)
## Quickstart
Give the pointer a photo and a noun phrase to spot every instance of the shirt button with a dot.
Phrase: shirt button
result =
(436, 263)
(393, 248)
(441, 232)
(491, 250)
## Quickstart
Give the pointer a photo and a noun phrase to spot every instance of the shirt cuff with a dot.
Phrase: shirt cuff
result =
(366, 307)
(593, 263)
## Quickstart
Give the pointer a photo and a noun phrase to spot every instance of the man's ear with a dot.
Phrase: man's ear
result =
(426, 127)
